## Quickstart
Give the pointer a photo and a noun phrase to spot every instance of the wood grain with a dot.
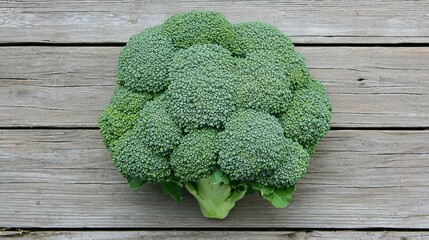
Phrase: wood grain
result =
(104, 21)
(216, 235)
(69, 86)
(357, 179)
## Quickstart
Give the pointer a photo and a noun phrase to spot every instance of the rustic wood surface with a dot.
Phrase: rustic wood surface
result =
(64, 21)
(221, 235)
(357, 179)
(69, 86)
(368, 179)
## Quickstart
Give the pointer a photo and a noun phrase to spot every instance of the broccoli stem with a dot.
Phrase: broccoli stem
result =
(215, 200)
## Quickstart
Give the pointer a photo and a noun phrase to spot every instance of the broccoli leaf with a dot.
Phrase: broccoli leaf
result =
(238, 194)
(135, 184)
(280, 197)
(219, 177)
(172, 189)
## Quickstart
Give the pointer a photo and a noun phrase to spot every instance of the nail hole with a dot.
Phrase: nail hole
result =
(361, 79)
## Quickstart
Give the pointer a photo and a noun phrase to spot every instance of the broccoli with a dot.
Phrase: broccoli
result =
(220, 110)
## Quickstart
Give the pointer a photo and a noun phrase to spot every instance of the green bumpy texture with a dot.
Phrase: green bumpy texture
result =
(121, 115)
(202, 101)
(159, 132)
(144, 62)
(201, 92)
(250, 146)
(196, 156)
(136, 161)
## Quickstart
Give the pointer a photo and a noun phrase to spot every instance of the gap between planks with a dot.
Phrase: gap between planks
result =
(216, 235)
(65, 179)
(368, 21)
(381, 87)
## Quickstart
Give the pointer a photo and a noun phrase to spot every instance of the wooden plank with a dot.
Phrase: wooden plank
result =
(357, 179)
(69, 86)
(326, 21)
(217, 235)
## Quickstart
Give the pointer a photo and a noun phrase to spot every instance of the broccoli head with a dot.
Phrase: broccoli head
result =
(218, 109)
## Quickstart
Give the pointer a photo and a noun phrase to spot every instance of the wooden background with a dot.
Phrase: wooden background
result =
(368, 180)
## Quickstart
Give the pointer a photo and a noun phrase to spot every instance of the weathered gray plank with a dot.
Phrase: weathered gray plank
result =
(217, 235)
(357, 179)
(69, 86)
(326, 21)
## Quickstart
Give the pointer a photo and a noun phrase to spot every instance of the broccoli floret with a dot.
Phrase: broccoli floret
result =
(254, 36)
(196, 156)
(293, 164)
(196, 27)
(296, 72)
(121, 114)
(143, 63)
(159, 131)
(262, 83)
(308, 118)
(201, 93)
(250, 145)
(136, 161)
(221, 110)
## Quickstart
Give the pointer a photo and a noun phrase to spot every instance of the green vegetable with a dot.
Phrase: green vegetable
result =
(220, 110)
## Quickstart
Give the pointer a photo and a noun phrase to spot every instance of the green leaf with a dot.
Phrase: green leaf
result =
(134, 184)
(172, 189)
(219, 177)
(266, 190)
(237, 194)
(280, 197)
